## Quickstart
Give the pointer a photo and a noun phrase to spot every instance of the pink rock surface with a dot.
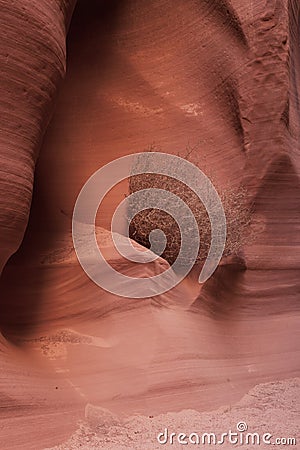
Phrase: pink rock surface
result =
(221, 76)
(33, 62)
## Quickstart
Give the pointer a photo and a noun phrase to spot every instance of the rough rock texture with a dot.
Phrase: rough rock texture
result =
(275, 402)
(220, 75)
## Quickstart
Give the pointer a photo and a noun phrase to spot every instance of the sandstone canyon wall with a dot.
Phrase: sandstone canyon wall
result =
(220, 76)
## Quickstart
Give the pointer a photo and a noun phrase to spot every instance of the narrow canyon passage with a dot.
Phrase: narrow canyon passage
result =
(211, 76)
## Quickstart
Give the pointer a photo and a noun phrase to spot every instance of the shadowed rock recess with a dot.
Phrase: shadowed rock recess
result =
(80, 365)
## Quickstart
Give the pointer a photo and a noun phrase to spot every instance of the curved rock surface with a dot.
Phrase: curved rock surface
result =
(221, 76)
(33, 62)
